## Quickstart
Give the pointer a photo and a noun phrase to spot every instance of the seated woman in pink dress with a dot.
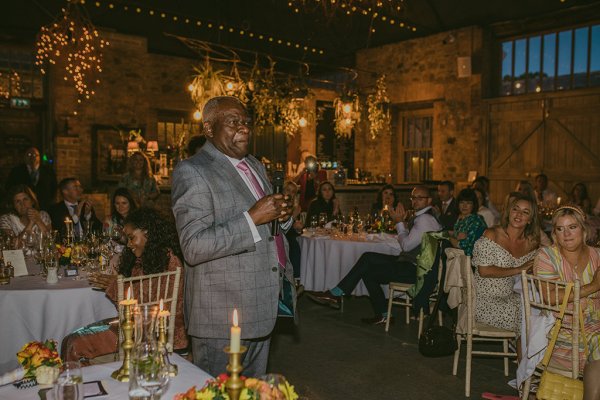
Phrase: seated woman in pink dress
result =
(152, 247)
(569, 259)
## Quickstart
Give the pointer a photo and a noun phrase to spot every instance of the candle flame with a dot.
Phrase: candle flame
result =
(129, 293)
(160, 305)
(235, 317)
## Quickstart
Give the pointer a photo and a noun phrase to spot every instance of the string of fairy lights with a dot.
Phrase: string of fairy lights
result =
(385, 11)
(177, 18)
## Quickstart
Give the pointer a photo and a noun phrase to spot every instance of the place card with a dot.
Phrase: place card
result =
(17, 259)
(71, 271)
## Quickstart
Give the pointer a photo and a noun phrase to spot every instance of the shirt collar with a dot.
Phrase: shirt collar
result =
(69, 204)
(423, 211)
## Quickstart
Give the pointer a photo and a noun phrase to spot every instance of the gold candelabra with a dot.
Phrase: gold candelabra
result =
(162, 341)
(122, 374)
(235, 384)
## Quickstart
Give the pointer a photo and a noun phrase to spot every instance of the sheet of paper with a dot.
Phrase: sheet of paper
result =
(17, 259)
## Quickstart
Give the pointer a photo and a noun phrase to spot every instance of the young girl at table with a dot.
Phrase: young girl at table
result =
(152, 247)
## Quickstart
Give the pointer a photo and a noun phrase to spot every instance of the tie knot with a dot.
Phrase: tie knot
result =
(243, 166)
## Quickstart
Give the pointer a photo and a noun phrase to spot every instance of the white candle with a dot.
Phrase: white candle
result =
(128, 301)
(236, 334)
(161, 312)
(558, 201)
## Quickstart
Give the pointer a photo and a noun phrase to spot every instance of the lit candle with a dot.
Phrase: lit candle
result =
(385, 207)
(558, 201)
(236, 334)
(69, 225)
(161, 312)
(128, 301)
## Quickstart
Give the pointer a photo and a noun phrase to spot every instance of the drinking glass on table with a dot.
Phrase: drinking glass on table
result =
(322, 219)
(314, 222)
(150, 371)
(69, 385)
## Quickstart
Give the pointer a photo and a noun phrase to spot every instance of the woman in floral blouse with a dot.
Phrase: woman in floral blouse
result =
(469, 226)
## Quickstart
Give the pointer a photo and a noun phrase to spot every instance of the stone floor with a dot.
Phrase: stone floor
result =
(331, 356)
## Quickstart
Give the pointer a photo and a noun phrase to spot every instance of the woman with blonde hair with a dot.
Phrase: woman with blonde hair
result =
(140, 181)
(567, 260)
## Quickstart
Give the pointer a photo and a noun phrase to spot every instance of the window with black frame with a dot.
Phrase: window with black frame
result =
(561, 60)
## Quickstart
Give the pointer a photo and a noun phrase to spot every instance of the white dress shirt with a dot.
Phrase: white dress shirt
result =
(423, 223)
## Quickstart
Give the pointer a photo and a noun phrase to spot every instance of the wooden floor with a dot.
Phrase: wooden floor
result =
(331, 355)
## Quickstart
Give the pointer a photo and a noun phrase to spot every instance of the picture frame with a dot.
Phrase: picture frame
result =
(109, 152)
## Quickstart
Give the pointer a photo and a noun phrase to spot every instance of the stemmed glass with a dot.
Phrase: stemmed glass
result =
(69, 385)
(29, 240)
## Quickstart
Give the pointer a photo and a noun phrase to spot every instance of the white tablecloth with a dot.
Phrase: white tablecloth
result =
(189, 375)
(325, 261)
(33, 310)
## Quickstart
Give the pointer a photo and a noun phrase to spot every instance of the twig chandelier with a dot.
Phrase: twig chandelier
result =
(72, 39)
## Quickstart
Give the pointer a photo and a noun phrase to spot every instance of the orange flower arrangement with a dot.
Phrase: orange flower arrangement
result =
(37, 354)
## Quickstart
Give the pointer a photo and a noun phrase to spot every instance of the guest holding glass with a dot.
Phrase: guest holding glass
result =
(469, 226)
(152, 247)
(325, 202)
(385, 197)
(570, 259)
(25, 216)
(140, 181)
(501, 254)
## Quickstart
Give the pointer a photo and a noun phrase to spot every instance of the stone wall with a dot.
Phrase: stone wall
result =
(423, 73)
(134, 85)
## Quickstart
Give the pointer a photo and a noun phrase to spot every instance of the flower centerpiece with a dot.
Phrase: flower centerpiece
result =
(270, 387)
(40, 360)
(64, 254)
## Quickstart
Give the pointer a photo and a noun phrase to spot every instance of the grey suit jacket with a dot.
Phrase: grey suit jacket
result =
(224, 268)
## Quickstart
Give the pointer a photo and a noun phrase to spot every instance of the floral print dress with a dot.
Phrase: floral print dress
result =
(497, 304)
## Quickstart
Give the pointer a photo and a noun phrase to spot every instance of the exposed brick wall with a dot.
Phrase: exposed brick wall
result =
(425, 71)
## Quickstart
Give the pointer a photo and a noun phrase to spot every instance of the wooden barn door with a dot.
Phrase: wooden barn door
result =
(558, 134)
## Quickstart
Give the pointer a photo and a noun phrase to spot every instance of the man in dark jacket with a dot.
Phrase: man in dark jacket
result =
(40, 178)
(447, 206)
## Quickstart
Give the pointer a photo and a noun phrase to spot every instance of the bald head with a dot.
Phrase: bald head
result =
(212, 106)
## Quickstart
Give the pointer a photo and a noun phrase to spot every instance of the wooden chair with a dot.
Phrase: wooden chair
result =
(405, 301)
(149, 290)
(533, 286)
(476, 331)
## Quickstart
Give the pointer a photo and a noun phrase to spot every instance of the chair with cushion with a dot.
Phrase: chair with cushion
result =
(472, 331)
(149, 290)
(533, 286)
(399, 293)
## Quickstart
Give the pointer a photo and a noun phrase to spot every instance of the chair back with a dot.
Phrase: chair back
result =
(459, 266)
(149, 290)
(543, 294)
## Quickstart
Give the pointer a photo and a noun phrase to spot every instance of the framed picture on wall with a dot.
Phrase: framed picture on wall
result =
(109, 152)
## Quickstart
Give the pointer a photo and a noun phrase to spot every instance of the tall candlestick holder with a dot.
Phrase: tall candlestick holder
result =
(69, 231)
(235, 384)
(162, 341)
(122, 374)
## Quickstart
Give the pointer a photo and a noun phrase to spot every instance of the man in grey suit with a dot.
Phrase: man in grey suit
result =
(223, 208)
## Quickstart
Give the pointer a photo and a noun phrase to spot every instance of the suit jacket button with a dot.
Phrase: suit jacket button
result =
(274, 269)
(271, 238)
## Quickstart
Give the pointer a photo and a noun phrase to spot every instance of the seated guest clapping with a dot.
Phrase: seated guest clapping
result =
(385, 197)
(501, 254)
(567, 260)
(375, 269)
(324, 203)
(25, 216)
(152, 247)
(75, 207)
(469, 226)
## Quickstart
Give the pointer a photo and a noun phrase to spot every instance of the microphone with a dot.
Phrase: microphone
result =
(278, 179)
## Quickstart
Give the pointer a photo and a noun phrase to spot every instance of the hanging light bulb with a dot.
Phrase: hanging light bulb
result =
(302, 122)
(197, 115)
(191, 87)
(347, 108)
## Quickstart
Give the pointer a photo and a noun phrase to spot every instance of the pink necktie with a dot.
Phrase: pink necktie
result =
(242, 166)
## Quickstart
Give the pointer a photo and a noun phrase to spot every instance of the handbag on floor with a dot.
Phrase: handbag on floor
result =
(554, 386)
(437, 341)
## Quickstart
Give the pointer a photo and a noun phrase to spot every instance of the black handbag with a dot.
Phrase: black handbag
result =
(437, 341)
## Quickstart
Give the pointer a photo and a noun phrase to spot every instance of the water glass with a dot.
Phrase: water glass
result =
(69, 385)
(322, 219)
(150, 374)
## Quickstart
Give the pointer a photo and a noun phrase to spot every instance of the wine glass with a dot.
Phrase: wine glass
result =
(77, 255)
(322, 219)
(314, 222)
(150, 369)
(29, 240)
(69, 385)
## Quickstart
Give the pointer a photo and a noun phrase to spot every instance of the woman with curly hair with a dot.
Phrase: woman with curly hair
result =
(152, 247)
(140, 181)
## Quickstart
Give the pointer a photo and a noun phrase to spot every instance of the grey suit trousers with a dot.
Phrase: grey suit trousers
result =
(209, 355)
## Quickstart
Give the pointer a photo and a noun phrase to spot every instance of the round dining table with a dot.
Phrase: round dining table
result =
(32, 309)
(326, 258)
